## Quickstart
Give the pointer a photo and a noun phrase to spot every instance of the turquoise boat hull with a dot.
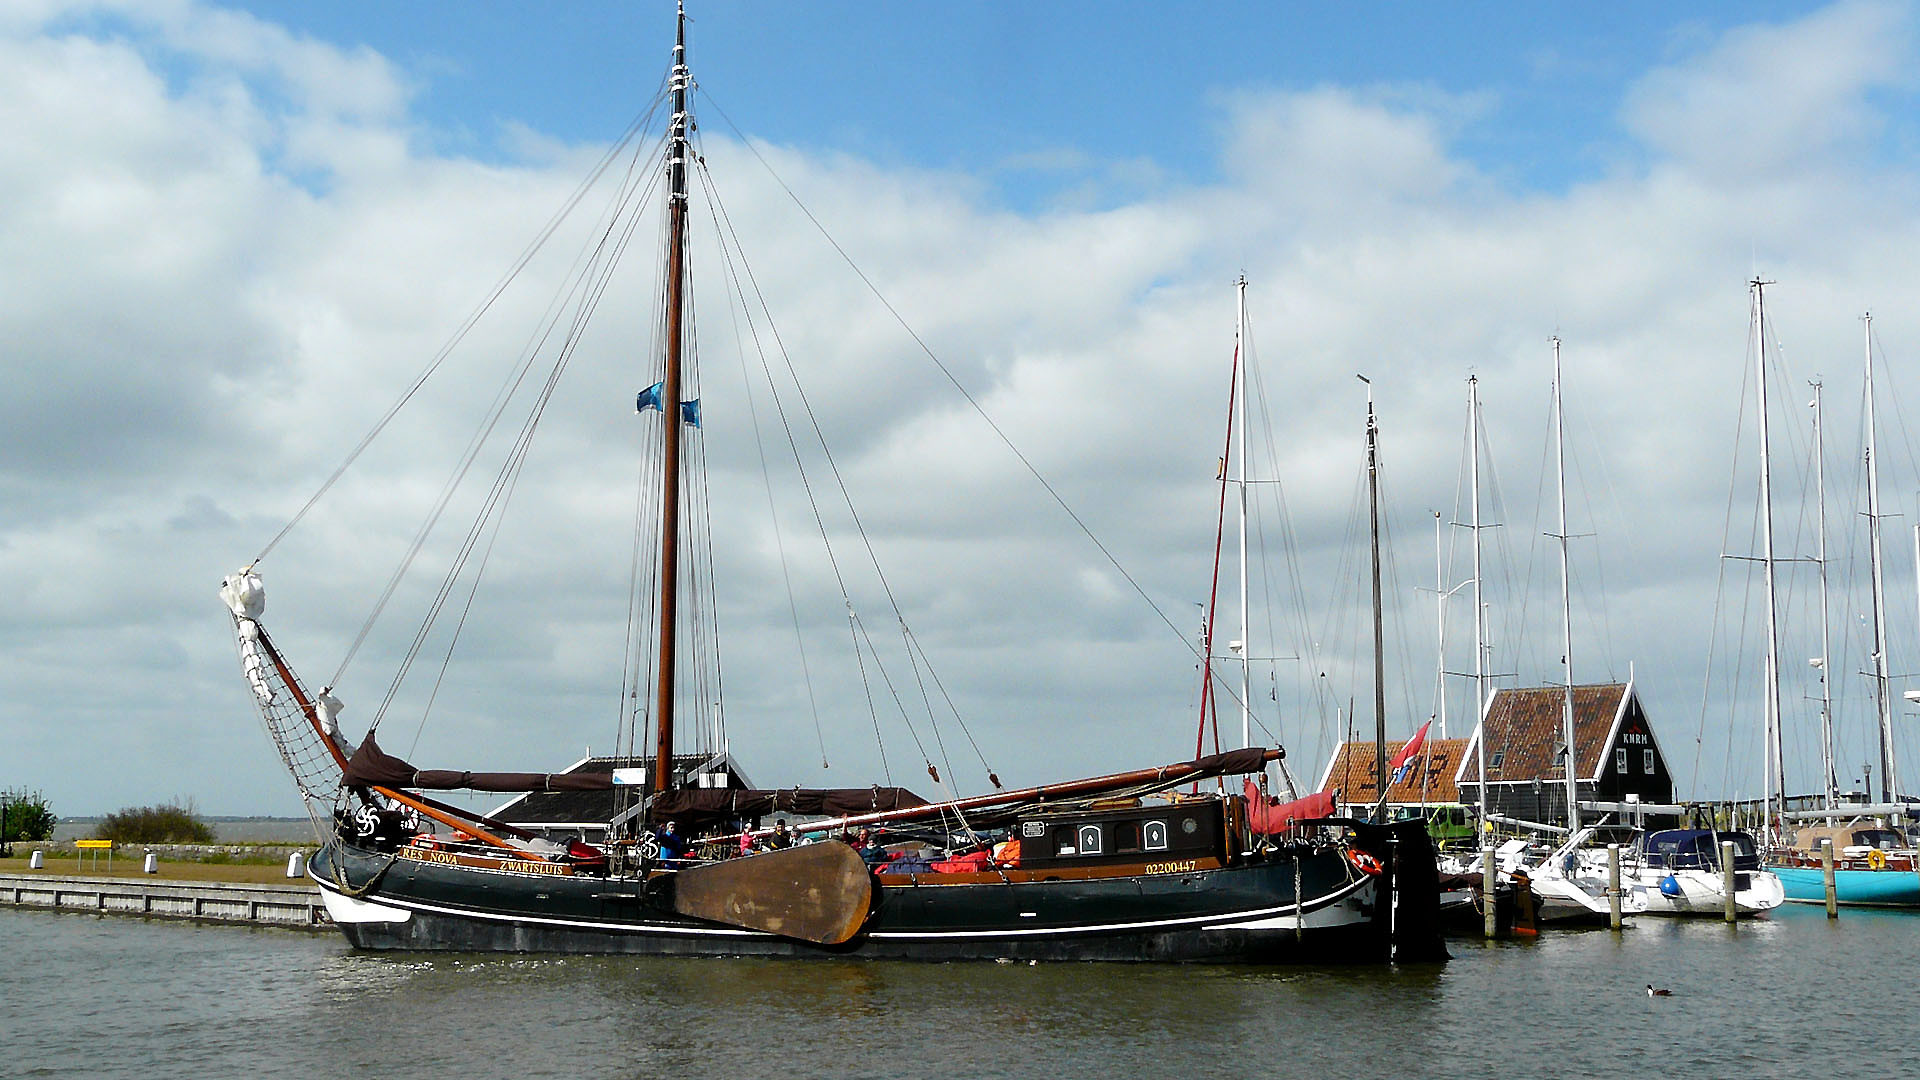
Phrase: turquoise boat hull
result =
(1865, 888)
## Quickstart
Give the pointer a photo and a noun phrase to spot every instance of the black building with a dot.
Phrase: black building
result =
(1616, 755)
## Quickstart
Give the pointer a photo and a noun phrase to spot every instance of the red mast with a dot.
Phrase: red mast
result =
(670, 410)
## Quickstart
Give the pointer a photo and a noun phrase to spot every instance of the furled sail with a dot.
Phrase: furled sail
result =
(745, 803)
(371, 766)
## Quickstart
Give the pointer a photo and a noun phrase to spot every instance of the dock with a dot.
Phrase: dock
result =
(292, 906)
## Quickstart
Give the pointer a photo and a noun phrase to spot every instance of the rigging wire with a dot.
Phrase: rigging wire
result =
(806, 408)
(737, 306)
(637, 125)
(971, 401)
(586, 290)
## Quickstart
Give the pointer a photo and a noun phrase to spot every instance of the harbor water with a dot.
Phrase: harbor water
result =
(1790, 996)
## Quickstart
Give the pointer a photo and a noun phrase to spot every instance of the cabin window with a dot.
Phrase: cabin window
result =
(1090, 840)
(1126, 836)
(1154, 836)
(1064, 844)
(1647, 757)
(1620, 761)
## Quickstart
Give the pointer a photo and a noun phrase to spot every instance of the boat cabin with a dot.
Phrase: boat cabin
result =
(1697, 849)
(1851, 841)
(558, 815)
(1139, 832)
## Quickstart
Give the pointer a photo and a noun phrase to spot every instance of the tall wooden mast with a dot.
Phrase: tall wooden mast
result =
(1379, 646)
(670, 410)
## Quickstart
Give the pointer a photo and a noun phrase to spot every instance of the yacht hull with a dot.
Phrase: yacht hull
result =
(1855, 888)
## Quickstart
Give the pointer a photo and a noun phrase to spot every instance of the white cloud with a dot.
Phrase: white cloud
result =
(213, 285)
(1771, 100)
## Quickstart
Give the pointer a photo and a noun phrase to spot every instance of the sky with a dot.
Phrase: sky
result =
(230, 236)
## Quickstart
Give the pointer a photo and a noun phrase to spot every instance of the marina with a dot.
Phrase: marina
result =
(849, 541)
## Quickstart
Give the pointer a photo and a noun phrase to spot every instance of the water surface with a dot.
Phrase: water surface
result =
(1792, 996)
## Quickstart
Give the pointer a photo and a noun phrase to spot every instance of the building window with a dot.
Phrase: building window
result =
(1620, 761)
(1498, 756)
(1648, 753)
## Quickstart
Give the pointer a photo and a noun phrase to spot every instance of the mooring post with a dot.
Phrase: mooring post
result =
(1727, 880)
(1826, 877)
(1299, 905)
(1489, 899)
(1613, 886)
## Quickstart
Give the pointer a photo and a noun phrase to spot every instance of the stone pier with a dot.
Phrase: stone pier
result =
(296, 906)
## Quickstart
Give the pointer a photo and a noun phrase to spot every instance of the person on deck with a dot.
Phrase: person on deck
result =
(782, 836)
(672, 844)
(871, 849)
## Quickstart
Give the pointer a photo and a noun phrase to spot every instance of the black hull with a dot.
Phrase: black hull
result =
(1245, 913)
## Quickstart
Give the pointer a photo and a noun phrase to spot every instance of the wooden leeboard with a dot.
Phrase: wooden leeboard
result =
(818, 892)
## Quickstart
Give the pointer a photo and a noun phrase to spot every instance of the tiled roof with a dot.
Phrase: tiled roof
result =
(1524, 730)
(1430, 780)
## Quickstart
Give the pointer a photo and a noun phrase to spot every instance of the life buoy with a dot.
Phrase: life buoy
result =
(1877, 859)
(1363, 862)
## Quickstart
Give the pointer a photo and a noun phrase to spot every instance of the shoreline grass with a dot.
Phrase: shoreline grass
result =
(128, 866)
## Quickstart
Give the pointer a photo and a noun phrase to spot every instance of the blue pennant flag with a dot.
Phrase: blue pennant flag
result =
(690, 412)
(649, 398)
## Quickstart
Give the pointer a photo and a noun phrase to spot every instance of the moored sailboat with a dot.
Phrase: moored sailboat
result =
(1871, 864)
(1115, 867)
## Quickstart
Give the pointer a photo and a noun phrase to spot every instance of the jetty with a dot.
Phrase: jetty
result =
(292, 906)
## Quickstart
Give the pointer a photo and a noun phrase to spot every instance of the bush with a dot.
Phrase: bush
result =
(170, 824)
(28, 817)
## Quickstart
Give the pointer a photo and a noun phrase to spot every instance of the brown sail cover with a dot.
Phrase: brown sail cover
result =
(748, 803)
(372, 767)
(1232, 763)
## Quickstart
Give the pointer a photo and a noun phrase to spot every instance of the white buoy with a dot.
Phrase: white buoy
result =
(296, 864)
(38, 861)
(152, 865)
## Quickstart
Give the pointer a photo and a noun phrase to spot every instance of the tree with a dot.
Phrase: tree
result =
(27, 816)
(168, 824)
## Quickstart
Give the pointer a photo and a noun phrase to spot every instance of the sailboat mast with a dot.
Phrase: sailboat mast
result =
(1379, 636)
(1240, 397)
(1440, 618)
(1566, 600)
(1888, 785)
(1479, 607)
(670, 411)
(1770, 740)
(1828, 778)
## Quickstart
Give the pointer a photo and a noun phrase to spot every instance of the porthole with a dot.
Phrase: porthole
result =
(1189, 826)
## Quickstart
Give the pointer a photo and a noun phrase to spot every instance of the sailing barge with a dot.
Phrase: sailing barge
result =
(1118, 867)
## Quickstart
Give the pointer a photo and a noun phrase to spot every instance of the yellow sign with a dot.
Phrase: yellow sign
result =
(97, 845)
